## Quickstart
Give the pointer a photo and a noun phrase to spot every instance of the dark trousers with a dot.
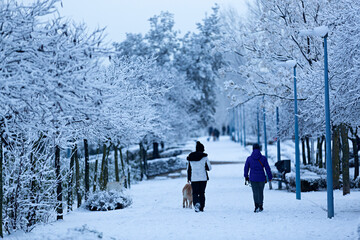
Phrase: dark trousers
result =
(258, 192)
(198, 189)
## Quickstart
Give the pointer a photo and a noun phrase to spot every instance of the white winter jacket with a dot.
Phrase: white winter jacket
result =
(196, 170)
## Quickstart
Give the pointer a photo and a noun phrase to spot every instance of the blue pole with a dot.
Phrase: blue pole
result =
(238, 123)
(233, 125)
(258, 126)
(240, 126)
(297, 151)
(244, 126)
(278, 140)
(330, 196)
(277, 134)
(265, 140)
(234, 116)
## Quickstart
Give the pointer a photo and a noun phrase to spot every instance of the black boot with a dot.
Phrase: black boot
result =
(256, 208)
(261, 208)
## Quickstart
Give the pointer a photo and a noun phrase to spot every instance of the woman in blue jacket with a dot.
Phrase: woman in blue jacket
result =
(256, 164)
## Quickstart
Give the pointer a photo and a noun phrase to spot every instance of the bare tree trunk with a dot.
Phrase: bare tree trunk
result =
(128, 169)
(106, 169)
(103, 174)
(345, 159)
(87, 169)
(77, 173)
(356, 158)
(116, 162)
(156, 150)
(303, 150)
(336, 157)
(308, 149)
(59, 206)
(317, 152)
(320, 152)
(141, 152)
(355, 151)
(324, 165)
(144, 155)
(31, 215)
(312, 151)
(96, 168)
(123, 167)
(70, 181)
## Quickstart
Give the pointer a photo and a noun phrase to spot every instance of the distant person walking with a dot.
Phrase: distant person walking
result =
(216, 134)
(256, 164)
(211, 129)
(197, 168)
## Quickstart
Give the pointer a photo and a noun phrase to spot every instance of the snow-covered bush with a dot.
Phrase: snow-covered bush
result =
(83, 232)
(355, 183)
(105, 201)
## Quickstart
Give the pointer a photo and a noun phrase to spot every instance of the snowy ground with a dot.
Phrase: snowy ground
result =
(157, 211)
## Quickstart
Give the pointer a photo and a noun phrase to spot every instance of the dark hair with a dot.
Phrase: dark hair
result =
(199, 147)
(256, 146)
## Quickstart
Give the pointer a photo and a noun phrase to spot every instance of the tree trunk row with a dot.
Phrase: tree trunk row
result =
(345, 158)
(103, 179)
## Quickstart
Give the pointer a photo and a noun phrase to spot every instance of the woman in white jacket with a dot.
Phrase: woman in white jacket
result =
(197, 168)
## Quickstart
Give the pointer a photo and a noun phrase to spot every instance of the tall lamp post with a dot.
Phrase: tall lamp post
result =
(292, 63)
(265, 138)
(258, 126)
(278, 140)
(240, 125)
(244, 128)
(237, 124)
(323, 31)
(277, 135)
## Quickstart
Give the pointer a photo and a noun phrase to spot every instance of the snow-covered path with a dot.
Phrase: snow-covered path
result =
(157, 213)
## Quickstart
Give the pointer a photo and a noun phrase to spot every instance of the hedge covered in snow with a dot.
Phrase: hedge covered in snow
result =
(105, 201)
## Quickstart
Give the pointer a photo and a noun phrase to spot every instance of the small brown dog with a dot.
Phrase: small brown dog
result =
(187, 196)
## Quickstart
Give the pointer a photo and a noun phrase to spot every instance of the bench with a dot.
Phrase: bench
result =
(283, 167)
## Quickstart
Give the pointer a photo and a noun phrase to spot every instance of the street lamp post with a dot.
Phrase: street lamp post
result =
(293, 63)
(233, 125)
(278, 140)
(258, 126)
(240, 125)
(277, 135)
(237, 124)
(330, 195)
(265, 138)
(322, 31)
(297, 151)
(244, 129)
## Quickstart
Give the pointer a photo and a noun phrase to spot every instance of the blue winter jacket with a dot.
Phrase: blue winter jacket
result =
(257, 173)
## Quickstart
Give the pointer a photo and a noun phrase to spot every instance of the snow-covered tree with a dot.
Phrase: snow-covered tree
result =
(161, 43)
(200, 59)
(272, 35)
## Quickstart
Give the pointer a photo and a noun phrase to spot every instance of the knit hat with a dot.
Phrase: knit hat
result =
(256, 146)
(199, 147)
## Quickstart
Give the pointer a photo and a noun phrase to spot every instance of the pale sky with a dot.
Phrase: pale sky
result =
(122, 16)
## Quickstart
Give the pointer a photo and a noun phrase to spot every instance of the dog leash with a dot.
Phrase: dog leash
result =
(266, 176)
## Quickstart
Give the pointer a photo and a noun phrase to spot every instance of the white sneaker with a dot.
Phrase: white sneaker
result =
(197, 207)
